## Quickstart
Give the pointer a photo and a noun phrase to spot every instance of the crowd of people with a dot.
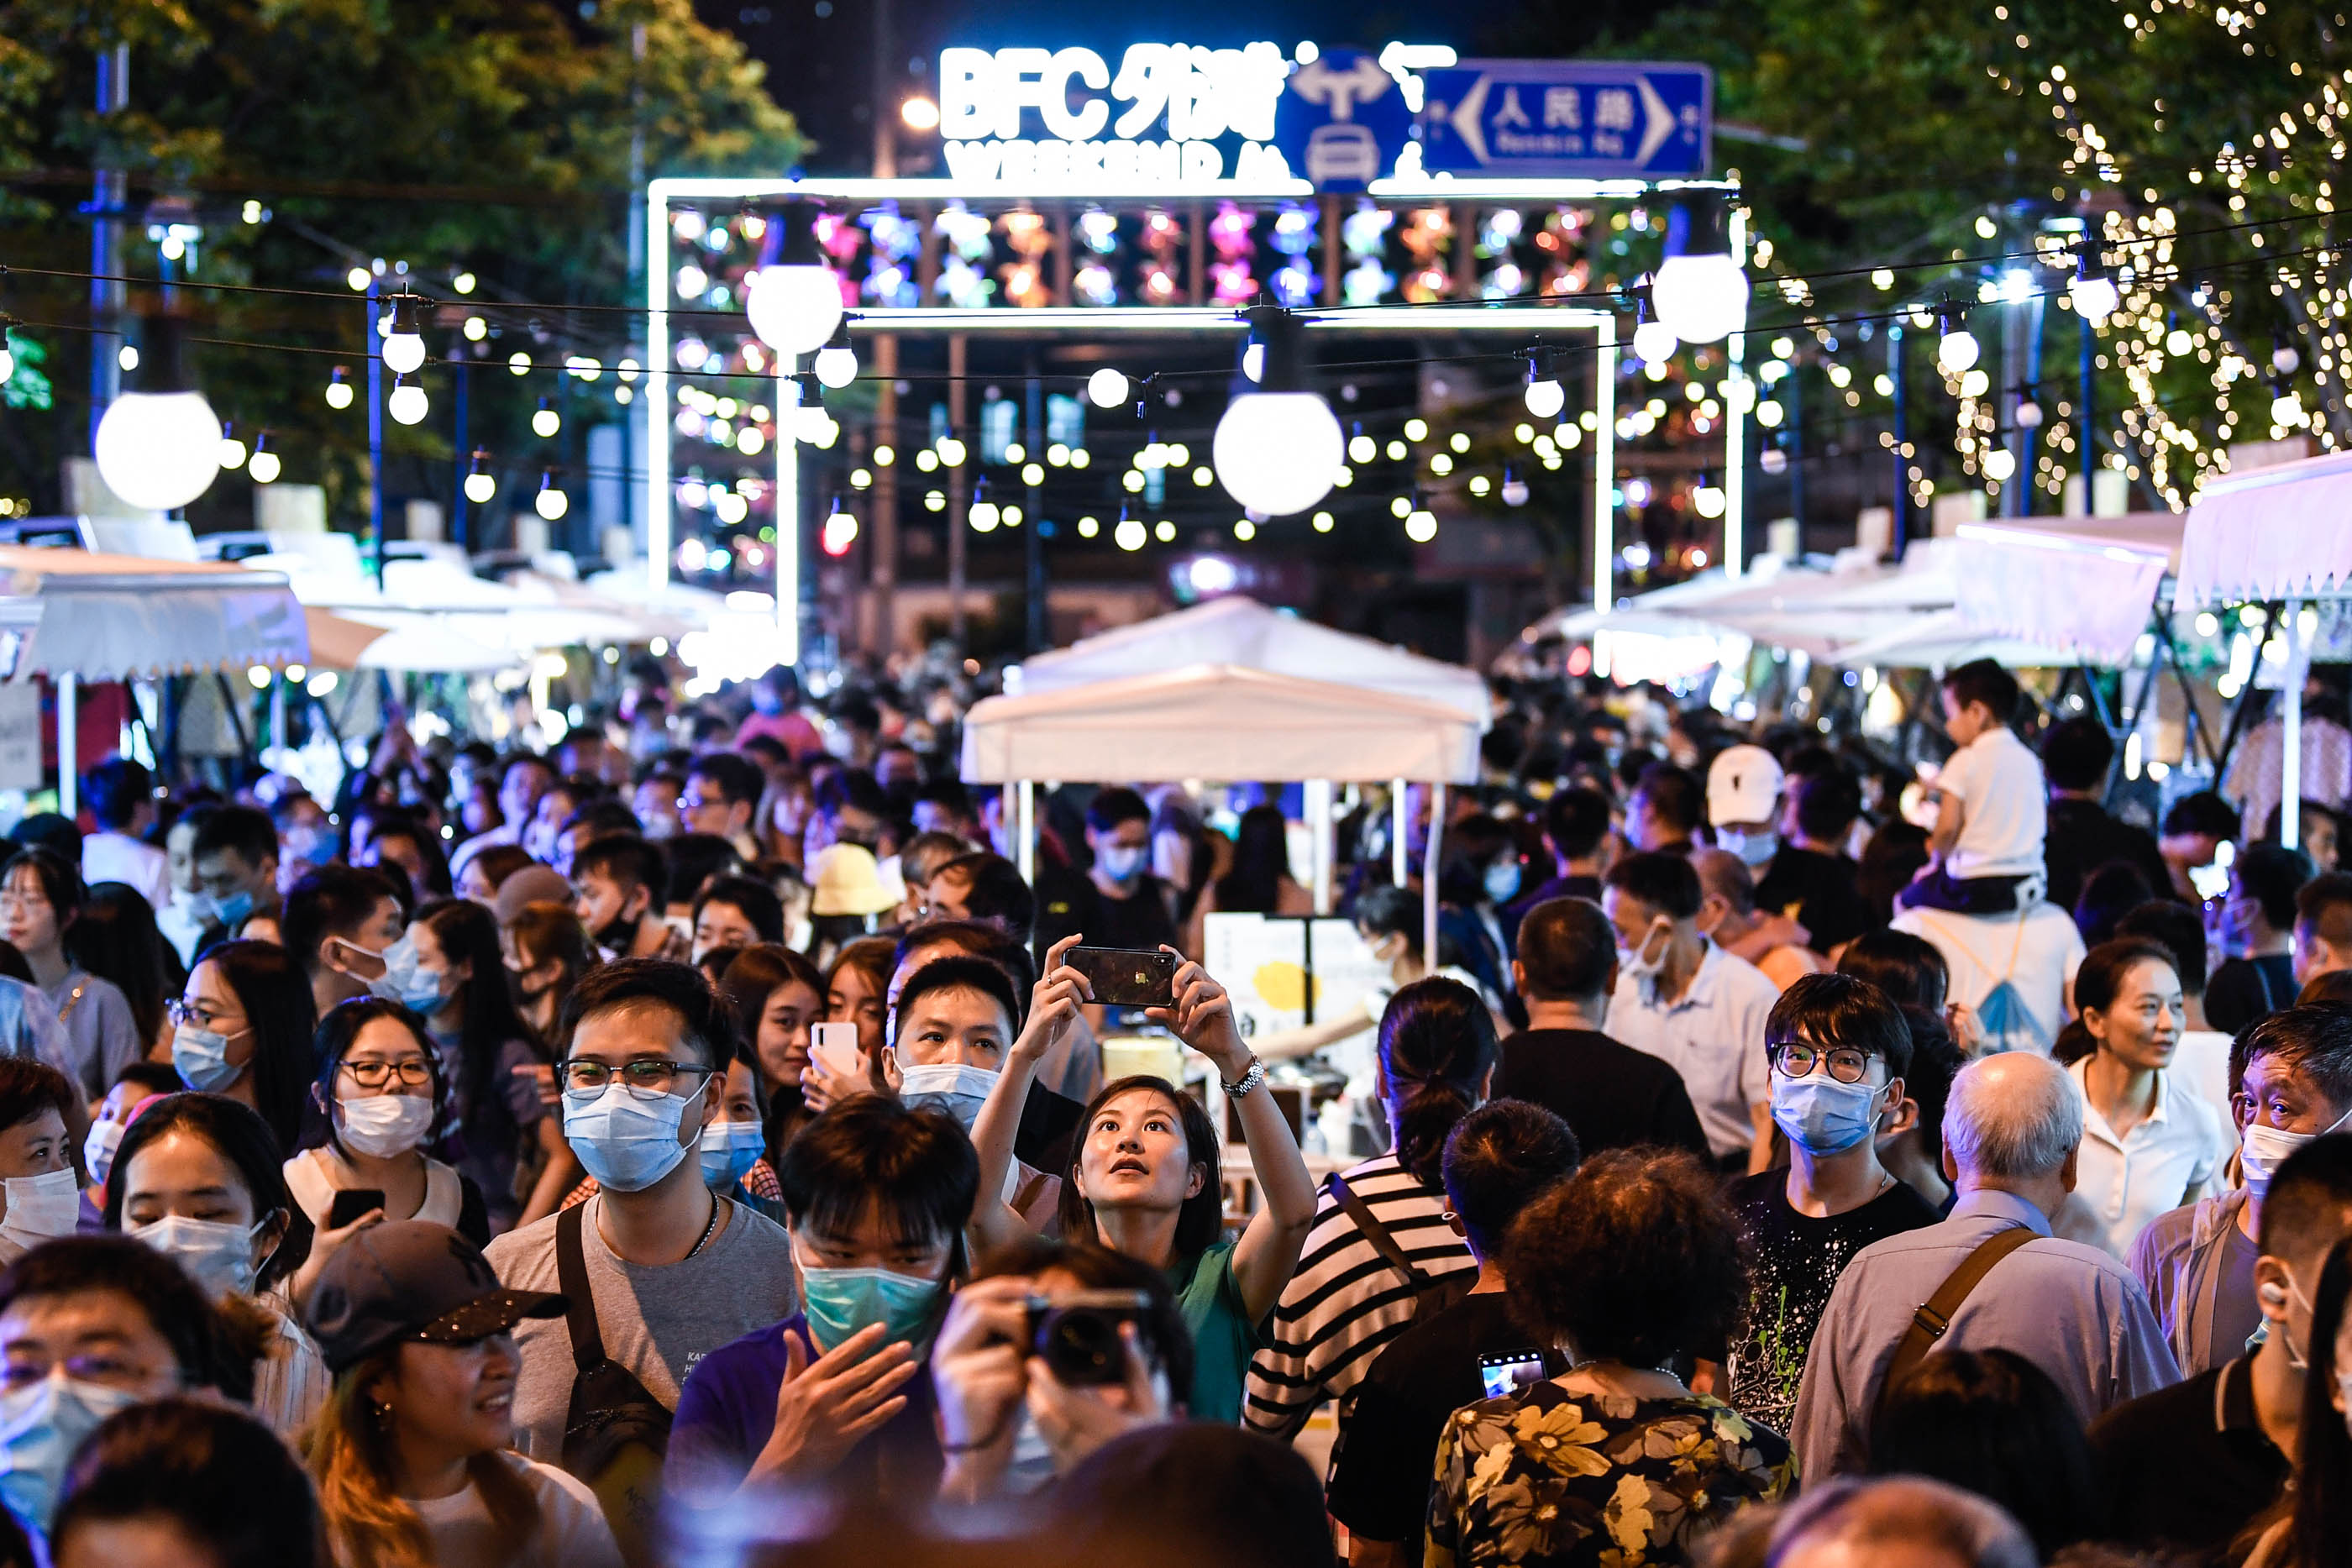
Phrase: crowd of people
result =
(693, 1143)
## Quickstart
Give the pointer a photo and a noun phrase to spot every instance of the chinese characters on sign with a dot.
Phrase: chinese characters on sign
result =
(1600, 119)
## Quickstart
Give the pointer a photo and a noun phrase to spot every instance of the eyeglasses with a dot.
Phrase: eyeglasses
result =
(648, 1079)
(179, 1010)
(1847, 1065)
(414, 1073)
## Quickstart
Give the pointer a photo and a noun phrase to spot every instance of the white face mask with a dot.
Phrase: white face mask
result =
(951, 1086)
(98, 1149)
(1634, 963)
(41, 1207)
(2263, 1149)
(383, 1125)
(216, 1253)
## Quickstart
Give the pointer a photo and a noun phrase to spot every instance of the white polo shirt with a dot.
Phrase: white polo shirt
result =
(2005, 802)
(2130, 1180)
(1713, 1036)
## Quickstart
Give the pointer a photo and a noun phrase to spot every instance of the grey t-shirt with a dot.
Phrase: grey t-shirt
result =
(658, 1322)
(101, 1035)
(2236, 1313)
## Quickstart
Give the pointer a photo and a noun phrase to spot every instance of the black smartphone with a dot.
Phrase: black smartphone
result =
(351, 1202)
(1510, 1371)
(1126, 977)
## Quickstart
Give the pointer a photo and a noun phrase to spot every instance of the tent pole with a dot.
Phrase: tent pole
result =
(1319, 822)
(2298, 664)
(1025, 817)
(1429, 877)
(1399, 864)
(69, 746)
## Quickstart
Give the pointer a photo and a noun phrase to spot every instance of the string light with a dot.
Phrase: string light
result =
(262, 464)
(1107, 388)
(1544, 394)
(550, 502)
(339, 389)
(481, 486)
(403, 345)
(407, 404)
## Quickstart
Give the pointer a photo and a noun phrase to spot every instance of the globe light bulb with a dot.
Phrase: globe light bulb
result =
(551, 502)
(2029, 415)
(232, 451)
(1279, 446)
(1545, 396)
(480, 488)
(263, 465)
(158, 451)
(983, 516)
(1420, 525)
(2286, 409)
(407, 404)
(794, 307)
(339, 390)
(1707, 500)
(2000, 463)
(1107, 388)
(544, 420)
(403, 346)
(1957, 350)
(1513, 490)
(2095, 295)
(836, 362)
(1654, 342)
(1699, 291)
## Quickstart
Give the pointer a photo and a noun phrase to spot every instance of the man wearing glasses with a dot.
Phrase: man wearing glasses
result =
(670, 1269)
(1839, 1052)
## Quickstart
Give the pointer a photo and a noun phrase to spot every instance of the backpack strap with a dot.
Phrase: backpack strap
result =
(1933, 1319)
(579, 1301)
(1383, 1242)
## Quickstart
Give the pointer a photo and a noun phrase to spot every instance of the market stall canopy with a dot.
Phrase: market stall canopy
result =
(1941, 639)
(490, 625)
(2282, 532)
(111, 618)
(1217, 721)
(2079, 586)
(1247, 634)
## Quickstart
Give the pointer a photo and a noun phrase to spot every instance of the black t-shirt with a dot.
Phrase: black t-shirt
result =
(1072, 903)
(1817, 891)
(1797, 1262)
(1612, 1095)
(2083, 838)
(2243, 990)
(1388, 1444)
(2186, 1467)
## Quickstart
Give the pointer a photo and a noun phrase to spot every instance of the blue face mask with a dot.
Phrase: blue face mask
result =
(1503, 881)
(1754, 850)
(41, 1425)
(840, 1302)
(625, 1142)
(950, 1086)
(403, 980)
(200, 1056)
(1120, 862)
(729, 1149)
(1822, 1116)
(233, 910)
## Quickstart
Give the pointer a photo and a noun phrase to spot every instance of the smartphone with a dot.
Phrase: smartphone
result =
(834, 1045)
(351, 1202)
(1510, 1371)
(1126, 977)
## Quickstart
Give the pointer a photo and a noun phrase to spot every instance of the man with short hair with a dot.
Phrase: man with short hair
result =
(339, 923)
(981, 887)
(2186, 1468)
(1686, 1001)
(2323, 926)
(671, 1269)
(236, 872)
(2077, 757)
(1576, 833)
(944, 806)
(522, 779)
(653, 803)
(608, 818)
(1908, 1520)
(2198, 1262)
(121, 794)
(1497, 1159)
(1729, 917)
(2012, 1132)
(307, 837)
(2259, 972)
(1612, 1096)
(1811, 878)
(1119, 902)
(1666, 808)
(722, 790)
(617, 885)
(1841, 1056)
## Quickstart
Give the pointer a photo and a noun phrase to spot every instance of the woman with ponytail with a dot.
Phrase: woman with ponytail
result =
(1435, 1059)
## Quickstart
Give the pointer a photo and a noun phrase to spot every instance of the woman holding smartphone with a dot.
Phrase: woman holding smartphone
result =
(380, 1090)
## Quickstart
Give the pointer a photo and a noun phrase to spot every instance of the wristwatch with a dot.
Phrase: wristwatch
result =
(1250, 1081)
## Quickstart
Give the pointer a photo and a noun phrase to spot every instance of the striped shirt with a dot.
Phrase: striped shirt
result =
(1345, 1303)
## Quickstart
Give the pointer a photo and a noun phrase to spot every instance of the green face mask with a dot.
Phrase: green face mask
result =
(840, 1302)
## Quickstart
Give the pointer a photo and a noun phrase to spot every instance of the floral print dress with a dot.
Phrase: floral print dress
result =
(1551, 1477)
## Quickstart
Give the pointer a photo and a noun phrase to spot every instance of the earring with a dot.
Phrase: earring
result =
(383, 1414)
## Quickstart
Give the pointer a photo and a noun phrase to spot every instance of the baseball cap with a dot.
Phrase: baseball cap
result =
(412, 1280)
(531, 884)
(1743, 785)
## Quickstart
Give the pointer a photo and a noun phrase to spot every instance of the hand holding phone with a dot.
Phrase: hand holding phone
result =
(351, 1204)
(1510, 1371)
(1126, 977)
(836, 1068)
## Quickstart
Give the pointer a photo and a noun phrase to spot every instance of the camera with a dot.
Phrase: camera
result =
(1076, 1333)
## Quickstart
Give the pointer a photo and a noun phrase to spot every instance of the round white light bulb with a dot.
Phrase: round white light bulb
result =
(545, 422)
(1654, 342)
(232, 451)
(264, 467)
(1546, 398)
(338, 394)
(1957, 350)
(1107, 388)
(1700, 299)
(1276, 452)
(404, 354)
(2095, 298)
(480, 488)
(795, 308)
(408, 404)
(158, 451)
(2000, 463)
(836, 367)
(1707, 500)
(552, 504)
(983, 516)
(1515, 492)
(1421, 525)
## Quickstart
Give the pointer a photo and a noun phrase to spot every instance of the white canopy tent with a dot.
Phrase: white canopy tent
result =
(2080, 586)
(1221, 721)
(2280, 533)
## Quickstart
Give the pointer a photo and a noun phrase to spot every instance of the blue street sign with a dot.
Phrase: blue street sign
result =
(1569, 119)
(1342, 121)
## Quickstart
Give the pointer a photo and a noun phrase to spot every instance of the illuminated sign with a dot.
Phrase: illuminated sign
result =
(1162, 119)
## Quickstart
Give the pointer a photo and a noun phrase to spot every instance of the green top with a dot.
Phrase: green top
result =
(1222, 1336)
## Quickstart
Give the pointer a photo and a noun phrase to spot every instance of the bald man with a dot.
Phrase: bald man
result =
(2012, 1130)
(1729, 917)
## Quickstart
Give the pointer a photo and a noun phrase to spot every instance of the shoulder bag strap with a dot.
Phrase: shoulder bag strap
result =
(1383, 1243)
(579, 1301)
(1933, 1319)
